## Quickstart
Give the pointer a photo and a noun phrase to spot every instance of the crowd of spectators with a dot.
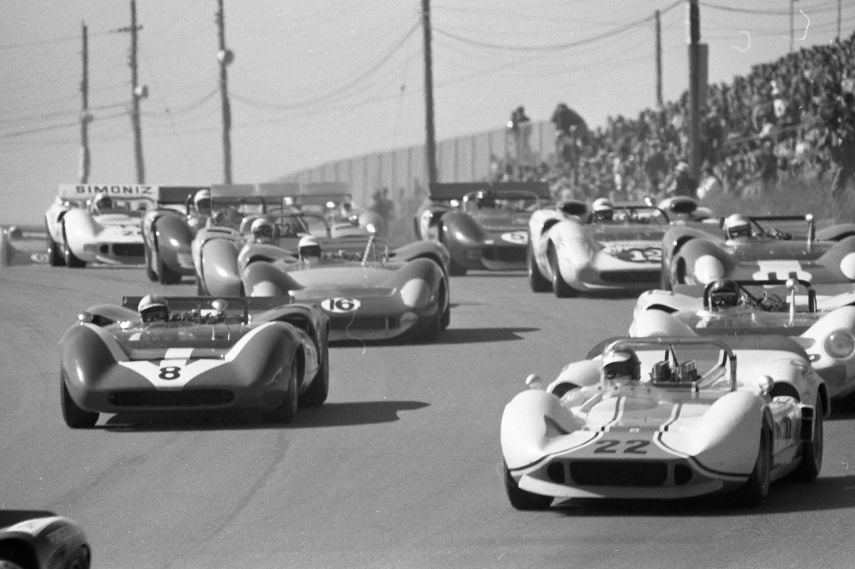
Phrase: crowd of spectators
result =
(793, 119)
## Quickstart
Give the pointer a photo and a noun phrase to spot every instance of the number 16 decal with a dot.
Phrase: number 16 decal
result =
(340, 304)
(611, 446)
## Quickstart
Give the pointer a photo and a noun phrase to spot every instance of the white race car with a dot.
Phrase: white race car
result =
(666, 418)
(823, 325)
(100, 223)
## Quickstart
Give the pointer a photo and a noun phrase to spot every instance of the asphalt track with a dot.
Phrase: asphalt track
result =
(400, 469)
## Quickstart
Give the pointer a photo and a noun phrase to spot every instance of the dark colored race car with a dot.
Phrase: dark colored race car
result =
(41, 540)
(207, 354)
(483, 226)
(168, 232)
(369, 292)
(759, 247)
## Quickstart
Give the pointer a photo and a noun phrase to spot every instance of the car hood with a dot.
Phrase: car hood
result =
(205, 340)
(502, 220)
(776, 249)
(625, 233)
(347, 277)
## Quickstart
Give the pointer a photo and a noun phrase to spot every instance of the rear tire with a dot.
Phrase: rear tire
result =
(536, 280)
(559, 286)
(75, 416)
(521, 499)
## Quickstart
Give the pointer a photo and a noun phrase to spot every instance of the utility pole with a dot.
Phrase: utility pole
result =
(225, 56)
(137, 92)
(792, 2)
(658, 60)
(430, 133)
(85, 117)
(694, 89)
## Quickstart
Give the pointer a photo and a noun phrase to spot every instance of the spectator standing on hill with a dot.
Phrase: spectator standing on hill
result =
(520, 127)
(655, 167)
(841, 142)
(766, 164)
(681, 183)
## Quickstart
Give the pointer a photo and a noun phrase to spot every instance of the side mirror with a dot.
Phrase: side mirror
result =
(533, 381)
(85, 317)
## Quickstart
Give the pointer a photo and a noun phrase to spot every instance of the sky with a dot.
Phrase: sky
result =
(313, 81)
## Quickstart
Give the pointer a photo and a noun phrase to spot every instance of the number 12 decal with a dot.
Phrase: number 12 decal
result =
(611, 446)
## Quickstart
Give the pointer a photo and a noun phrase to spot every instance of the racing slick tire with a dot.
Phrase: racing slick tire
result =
(149, 268)
(454, 268)
(54, 253)
(559, 286)
(287, 410)
(167, 275)
(70, 258)
(756, 488)
(74, 416)
(521, 499)
(319, 389)
(536, 280)
(811, 462)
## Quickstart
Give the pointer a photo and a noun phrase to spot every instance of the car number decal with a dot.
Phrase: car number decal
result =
(613, 446)
(516, 237)
(636, 254)
(175, 370)
(341, 305)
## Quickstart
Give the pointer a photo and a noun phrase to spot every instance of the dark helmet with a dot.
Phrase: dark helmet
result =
(724, 293)
(153, 308)
(102, 203)
(485, 198)
(621, 364)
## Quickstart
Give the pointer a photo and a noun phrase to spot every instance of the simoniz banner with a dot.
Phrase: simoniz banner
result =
(86, 191)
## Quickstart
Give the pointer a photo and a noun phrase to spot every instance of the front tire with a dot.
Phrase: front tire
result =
(521, 499)
(756, 488)
(71, 260)
(559, 286)
(166, 274)
(536, 280)
(287, 410)
(53, 250)
(319, 389)
(149, 266)
(455, 269)
(75, 416)
(811, 462)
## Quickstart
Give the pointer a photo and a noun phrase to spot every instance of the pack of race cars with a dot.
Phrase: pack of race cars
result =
(743, 333)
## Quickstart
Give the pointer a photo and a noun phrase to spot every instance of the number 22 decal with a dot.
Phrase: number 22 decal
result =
(611, 446)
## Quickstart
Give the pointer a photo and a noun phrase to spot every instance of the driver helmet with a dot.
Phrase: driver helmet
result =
(724, 294)
(621, 364)
(737, 225)
(153, 308)
(102, 203)
(603, 209)
(309, 247)
(485, 198)
(202, 201)
(262, 230)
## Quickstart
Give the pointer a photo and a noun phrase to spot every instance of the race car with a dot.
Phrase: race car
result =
(194, 354)
(100, 223)
(168, 231)
(575, 248)
(759, 247)
(369, 292)
(824, 326)
(41, 540)
(483, 226)
(666, 418)
(333, 202)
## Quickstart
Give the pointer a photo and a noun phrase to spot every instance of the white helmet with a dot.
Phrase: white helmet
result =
(153, 308)
(309, 246)
(602, 208)
(737, 225)
(202, 200)
(102, 203)
(621, 364)
(262, 230)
